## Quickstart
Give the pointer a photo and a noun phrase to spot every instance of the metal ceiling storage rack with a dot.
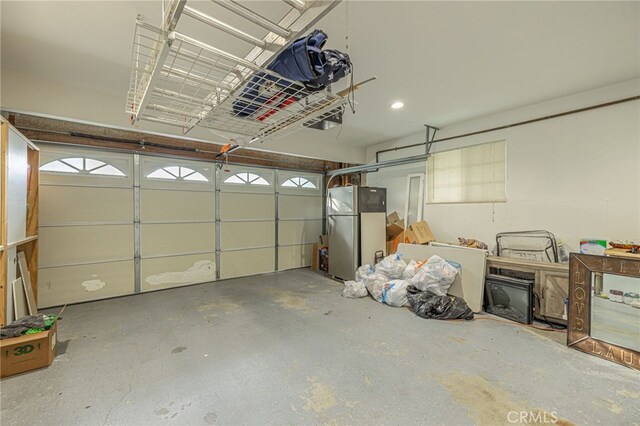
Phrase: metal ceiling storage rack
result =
(181, 81)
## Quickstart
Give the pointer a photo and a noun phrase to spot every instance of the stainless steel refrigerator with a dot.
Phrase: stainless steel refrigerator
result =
(357, 228)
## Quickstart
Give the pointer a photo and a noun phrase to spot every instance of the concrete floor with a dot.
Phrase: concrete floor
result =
(287, 348)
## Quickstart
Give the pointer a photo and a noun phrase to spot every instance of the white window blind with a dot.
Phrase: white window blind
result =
(475, 174)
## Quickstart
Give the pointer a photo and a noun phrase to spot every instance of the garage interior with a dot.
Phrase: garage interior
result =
(209, 240)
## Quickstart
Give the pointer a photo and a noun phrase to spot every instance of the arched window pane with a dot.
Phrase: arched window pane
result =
(107, 170)
(260, 181)
(58, 166)
(234, 179)
(198, 177)
(91, 164)
(161, 174)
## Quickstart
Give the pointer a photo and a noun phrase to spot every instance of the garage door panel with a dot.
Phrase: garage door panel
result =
(79, 244)
(176, 271)
(247, 206)
(235, 235)
(176, 238)
(299, 231)
(72, 204)
(71, 284)
(290, 257)
(247, 262)
(299, 207)
(166, 205)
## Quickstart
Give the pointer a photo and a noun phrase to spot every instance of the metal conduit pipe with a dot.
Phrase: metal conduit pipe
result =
(520, 123)
(216, 23)
(253, 17)
(298, 4)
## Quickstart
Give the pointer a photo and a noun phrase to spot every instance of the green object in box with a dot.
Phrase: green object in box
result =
(49, 320)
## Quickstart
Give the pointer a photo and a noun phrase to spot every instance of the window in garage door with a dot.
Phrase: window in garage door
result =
(177, 223)
(247, 221)
(299, 217)
(86, 225)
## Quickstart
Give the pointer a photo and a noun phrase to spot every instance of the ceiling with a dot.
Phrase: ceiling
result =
(448, 61)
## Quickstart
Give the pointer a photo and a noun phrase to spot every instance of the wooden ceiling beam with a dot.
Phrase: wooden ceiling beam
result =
(73, 133)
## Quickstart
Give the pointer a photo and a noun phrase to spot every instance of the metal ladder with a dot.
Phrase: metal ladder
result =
(181, 81)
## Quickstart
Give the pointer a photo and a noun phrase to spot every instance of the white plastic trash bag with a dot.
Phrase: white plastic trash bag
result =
(374, 284)
(394, 293)
(363, 272)
(354, 289)
(392, 266)
(436, 276)
(410, 270)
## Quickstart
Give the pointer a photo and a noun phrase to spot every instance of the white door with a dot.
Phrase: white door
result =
(299, 217)
(177, 223)
(86, 235)
(247, 221)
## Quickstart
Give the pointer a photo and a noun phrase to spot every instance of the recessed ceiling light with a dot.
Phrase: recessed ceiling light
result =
(397, 105)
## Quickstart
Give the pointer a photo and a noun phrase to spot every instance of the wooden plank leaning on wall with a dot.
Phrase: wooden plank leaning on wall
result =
(33, 190)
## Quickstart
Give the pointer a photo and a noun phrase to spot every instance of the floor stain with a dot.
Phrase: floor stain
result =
(629, 394)
(328, 312)
(386, 348)
(179, 349)
(289, 301)
(609, 405)
(211, 418)
(488, 404)
(161, 411)
(226, 306)
(367, 380)
(460, 340)
(318, 397)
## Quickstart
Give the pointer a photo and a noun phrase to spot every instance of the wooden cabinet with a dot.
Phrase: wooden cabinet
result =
(19, 178)
(551, 286)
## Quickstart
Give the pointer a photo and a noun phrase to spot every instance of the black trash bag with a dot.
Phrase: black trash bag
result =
(20, 326)
(428, 305)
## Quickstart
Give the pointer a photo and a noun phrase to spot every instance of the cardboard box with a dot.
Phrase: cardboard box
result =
(394, 229)
(393, 218)
(421, 232)
(410, 236)
(392, 245)
(28, 352)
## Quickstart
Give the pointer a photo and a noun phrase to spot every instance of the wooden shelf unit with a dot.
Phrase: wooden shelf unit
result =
(20, 179)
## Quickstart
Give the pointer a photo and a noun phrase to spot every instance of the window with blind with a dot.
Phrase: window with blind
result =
(474, 174)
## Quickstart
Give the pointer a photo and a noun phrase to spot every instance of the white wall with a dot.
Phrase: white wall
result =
(576, 176)
(28, 93)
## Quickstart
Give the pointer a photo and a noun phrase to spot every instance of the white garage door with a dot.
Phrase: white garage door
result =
(177, 223)
(299, 217)
(247, 221)
(114, 224)
(86, 226)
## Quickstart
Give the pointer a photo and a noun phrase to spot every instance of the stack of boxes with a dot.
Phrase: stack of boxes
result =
(417, 233)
